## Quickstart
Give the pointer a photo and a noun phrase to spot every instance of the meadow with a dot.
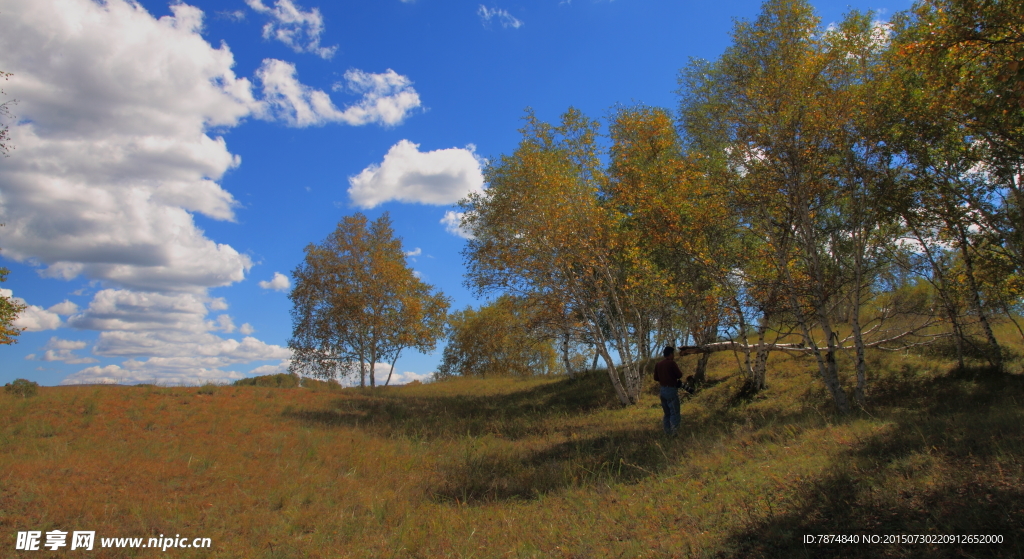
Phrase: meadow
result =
(538, 467)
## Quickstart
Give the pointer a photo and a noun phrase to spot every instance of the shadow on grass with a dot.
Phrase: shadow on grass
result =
(949, 465)
(487, 459)
(513, 415)
(497, 474)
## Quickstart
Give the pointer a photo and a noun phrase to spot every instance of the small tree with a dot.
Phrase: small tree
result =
(357, 303)
(22, 387)
(496, 340)
(9, 310)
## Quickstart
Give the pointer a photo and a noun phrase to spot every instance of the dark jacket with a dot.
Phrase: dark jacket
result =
(667, 373)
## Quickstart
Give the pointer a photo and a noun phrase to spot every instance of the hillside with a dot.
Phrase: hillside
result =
(544, 467)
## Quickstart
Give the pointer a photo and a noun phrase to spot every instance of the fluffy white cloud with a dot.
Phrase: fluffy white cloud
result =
(503, 17)
(115, 151)
(298, 29)
(118, 149)
(439, 177)
(414, 252)
(113, 146)
(63, 350)
(280, 282)
(225, 324)
(132, 372)
(35, 318)
(245, 329)
(279, 368)
(387, 98)
(452, 222)
(166, 338)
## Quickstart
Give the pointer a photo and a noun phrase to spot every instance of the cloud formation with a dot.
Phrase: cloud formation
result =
(62, 350)
(386, 98)
(166, 338)
(290, 25)
(280, 282)
(118, 149)
(502, 16)
(438, 177)
(115, 150)
(452, 222)
(35, 318)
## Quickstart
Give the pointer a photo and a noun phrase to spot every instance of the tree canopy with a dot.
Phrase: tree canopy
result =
(857, 186)
(357, 303)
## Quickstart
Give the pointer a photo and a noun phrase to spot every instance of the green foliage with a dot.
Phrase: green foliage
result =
(287, 380)
(496, 340)
(22, 387)
(357, 303)
(9, 310)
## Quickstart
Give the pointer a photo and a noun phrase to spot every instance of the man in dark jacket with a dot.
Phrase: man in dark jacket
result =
(667, 373)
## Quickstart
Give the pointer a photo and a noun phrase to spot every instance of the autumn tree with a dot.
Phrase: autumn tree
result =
(498, 339)
(541, 229)
(9, 310)
(960, 68)
(684, 232)
(357, 303)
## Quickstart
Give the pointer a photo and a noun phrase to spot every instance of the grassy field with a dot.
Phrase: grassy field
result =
(547, 467)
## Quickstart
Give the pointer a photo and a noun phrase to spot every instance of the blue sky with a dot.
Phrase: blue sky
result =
(171, 161)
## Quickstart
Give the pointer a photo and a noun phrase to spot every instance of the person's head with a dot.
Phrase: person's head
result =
(669, 351)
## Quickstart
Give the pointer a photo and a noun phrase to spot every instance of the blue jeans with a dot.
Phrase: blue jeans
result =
(670, 405)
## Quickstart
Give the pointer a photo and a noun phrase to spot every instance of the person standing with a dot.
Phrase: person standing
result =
(668, 375)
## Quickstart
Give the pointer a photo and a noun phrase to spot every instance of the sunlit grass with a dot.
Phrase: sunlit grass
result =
(544, 467)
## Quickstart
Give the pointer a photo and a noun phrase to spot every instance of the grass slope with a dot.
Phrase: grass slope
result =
(524, 468)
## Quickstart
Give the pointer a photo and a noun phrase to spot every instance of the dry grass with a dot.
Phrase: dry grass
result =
(524, 468)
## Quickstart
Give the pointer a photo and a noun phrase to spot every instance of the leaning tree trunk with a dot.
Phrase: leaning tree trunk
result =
(996, 355)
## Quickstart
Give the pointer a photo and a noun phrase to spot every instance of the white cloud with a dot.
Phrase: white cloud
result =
(65, 308)
(279, 283)
(63, 350)
(113, 146)
(277, 369)
(452, 221)
(234, 15)
(225, 324)
(165, 338)
(506, 19)
(35, 318)
(115, 150)
(118, 148)
(380, 374)
(246, 329)
(414, 252)
(438, 177)
(298, 29)
(387, 98)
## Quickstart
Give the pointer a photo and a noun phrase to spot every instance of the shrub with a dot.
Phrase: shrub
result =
(22, 387)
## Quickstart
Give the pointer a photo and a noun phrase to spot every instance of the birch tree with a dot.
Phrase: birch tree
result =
(357, 303)
(542, 230)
